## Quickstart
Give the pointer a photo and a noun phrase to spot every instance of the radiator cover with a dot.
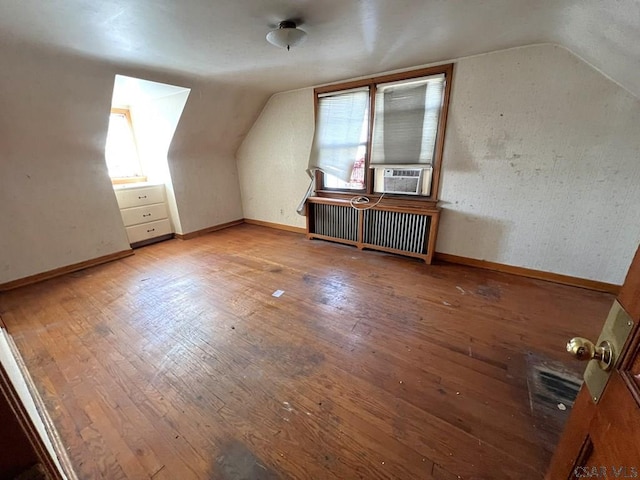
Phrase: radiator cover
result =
(336, 221)
(390, 229)
(397, 230)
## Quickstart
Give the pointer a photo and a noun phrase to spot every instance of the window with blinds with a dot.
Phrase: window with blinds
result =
(340, 141)
(389, 122)
(406, 121)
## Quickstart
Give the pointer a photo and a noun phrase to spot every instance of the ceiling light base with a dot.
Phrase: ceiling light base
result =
(287, 35)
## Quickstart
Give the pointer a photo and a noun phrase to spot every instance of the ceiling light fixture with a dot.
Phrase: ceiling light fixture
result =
(287, 35)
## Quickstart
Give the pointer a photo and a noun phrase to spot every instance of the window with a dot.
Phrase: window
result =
(121, 152)
(388, 125)
(342, 133)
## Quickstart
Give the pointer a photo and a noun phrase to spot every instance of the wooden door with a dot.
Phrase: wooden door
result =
(602, 440)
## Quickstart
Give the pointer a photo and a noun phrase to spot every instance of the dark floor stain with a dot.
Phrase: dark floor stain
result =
(237, 462)
(275, 269)
(102, 329)
(303, 362)
(328, 460)
(489, 292)
(307, 278)
(292, 360)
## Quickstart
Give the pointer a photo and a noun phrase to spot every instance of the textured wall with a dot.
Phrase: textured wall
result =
(273, 158)
(540, 167)
(57, 206)
(202, 156)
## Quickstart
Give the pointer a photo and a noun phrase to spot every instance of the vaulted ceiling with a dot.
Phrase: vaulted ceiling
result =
(347, 38)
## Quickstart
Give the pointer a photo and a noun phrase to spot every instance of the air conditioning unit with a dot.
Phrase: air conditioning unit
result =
(401, 180)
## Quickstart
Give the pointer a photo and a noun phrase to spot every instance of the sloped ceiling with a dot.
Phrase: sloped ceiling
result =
(347, 38)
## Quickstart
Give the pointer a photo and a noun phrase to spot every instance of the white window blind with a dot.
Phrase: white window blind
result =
(340, 132)
(405, 122)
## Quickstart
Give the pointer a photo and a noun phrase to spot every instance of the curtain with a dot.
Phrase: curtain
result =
(340, 129)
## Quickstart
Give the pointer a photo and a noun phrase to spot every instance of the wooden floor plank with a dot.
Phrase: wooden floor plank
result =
(178, 362)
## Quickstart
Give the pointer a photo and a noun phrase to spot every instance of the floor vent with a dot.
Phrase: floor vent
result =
(557, 387)
(553, 387)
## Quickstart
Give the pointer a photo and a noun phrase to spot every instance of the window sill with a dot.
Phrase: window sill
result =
(127, 180)
(125, 186)
(388, 201)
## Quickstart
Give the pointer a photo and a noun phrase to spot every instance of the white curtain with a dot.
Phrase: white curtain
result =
(341, 117)
(405, 121)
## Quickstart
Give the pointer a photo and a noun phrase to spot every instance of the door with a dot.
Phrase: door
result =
(602, 436)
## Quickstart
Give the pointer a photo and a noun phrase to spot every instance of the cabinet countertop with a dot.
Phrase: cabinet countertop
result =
(127, 186)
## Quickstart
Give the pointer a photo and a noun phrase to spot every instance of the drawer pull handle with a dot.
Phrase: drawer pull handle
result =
(141, 197)
(146, 214)
(152, 230)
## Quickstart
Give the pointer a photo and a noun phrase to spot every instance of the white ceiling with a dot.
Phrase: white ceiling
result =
(347, 38)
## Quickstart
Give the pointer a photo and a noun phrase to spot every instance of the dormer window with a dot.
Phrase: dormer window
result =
(121, 152)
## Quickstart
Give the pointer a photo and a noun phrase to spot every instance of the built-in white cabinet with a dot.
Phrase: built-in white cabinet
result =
(147, 213)
(144, 212)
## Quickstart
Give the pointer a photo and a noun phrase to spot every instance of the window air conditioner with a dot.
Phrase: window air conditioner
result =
(405, 181)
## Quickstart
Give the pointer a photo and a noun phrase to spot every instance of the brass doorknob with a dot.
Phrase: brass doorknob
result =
(584, 349)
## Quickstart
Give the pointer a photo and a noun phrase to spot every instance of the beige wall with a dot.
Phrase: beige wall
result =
(540, 168)
(57, 206)
(56, 202)
(202, 156)
(273, 158)
(541, 165)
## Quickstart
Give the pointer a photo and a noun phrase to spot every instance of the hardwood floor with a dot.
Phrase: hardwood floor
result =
(178, 362)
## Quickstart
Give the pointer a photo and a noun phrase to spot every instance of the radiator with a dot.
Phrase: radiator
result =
(378, 228)
(336, 221)
(397, 230)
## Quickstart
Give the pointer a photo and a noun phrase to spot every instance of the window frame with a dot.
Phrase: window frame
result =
(134, 179)
(372, 83)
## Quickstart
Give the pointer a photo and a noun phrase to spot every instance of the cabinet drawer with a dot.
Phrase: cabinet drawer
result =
(148, 213)
(136, 197)
(138, 233)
